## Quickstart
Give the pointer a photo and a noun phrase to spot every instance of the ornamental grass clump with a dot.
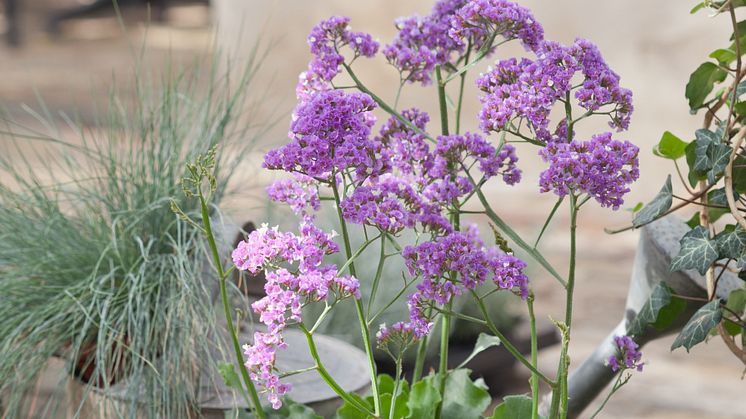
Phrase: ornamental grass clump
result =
(404, 186)
(95, 267)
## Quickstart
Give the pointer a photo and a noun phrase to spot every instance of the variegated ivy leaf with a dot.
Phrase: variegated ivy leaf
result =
(697, 251)
(659, 298)
(699, 326)
(701, 157)
(718, 155)
(660, 204)
(718, 197)
(731, 242)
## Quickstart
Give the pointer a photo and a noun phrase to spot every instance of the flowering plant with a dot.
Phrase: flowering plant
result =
(401, 177)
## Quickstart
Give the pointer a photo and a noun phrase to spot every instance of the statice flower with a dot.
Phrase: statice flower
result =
(326, 40)
(402, 146)
(396, 338)
(462, 253)
(392, 204)
(300, 193)
(601, 168)
(423, 42)
(330, 132)
(479, 20)
(628, 356)
(601, 86)
(286, 291)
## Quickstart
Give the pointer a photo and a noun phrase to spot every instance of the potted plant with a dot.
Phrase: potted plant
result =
(94, 266)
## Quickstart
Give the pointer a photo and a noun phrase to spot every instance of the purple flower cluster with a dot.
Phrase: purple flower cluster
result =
(300, 193)
(462, 253)
(480, 20)
(528, 89)
(287, 291)
(628, 356)
(601, 167)
(326, 40)
(423, 42)
(404, 147)
(392, 204)
(330, 132)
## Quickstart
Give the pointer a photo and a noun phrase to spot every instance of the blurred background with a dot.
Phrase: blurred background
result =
(68, 60)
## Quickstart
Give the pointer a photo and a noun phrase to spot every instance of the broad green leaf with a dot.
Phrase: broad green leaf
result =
(739, 174)
(731, 242)
(741, 88)
(348, 411)
(741, 29)
(694, 221)
(701, 83)
(660, 298)
(464, 399)
(740, 108)
(670, 147)
(693, 176)
(400, 409)
(724, 56)
(292, 410)
(386, 384)
(484, 341)
(230, 377)
(660, 204)
(697, 251)
(424, 398)
(698, 327)
(513, 407)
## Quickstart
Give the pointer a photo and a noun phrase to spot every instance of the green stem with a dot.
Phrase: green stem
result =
(617, 385)
(461, 91)
(397, 385)
(445, 331)
(559, 399)
(534, 358)
(385, 106)
(442, 101)
(507, 344)
(377, 279)
(253, 397)
(359, 307)
(328, 378)
(419, 362)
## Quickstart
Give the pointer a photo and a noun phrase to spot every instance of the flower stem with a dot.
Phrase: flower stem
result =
(253, 397)
(617, 385)
(328, 378)
(442, 101)
(559, 398)
(397, 386)
(359, 307)
(419, 362)
(445, 331)
(534, 358)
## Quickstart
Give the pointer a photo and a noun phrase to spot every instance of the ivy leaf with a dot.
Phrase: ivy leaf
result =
(670, 147)
(731, 242)
(660, 204)
(659, 311)
(723, 56)
(424, 398)
(719, 156)
(741, 88)
(513, 407)
(697, 251)
(698, 327)
(464, 399)
(701, 83)
(718, 197)
(737, 303)
(694, 176)
(484, 341)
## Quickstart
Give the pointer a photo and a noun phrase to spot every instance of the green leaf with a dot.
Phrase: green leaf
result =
(740, 108)
(400, 410)
(513, 407)
(698, 7)
(719, 156)
(464, 399)
(637, 207)
(660, 204)
(741, 29)
(694, 176)
(348, 411)
(484, 341)
(659, 311)
(670, 147)
(724, 56)
(292, 410)
(230, 377)
(737, 303)
(739, 174)
(697, 251)
(423, 399)
(694, 221)
(701, 83)
(386, 384)
(731, 242)
(699, 325)
(741, 88)
(717, 197)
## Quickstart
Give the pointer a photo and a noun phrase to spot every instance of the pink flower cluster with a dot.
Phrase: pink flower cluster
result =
(287, 291)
